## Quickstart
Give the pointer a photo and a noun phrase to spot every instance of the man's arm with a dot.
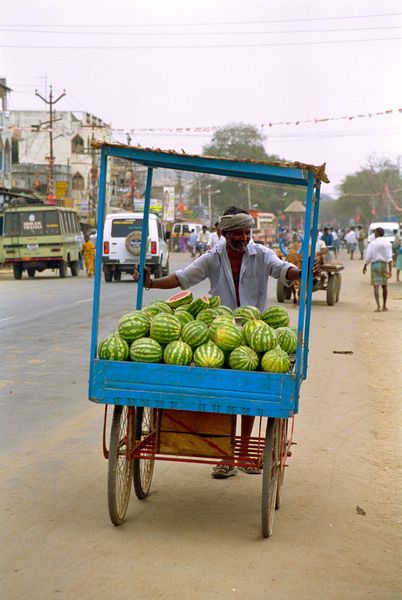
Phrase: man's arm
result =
(162, 283)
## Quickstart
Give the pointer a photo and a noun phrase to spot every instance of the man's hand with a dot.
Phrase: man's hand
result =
(364, 269)
(147, 277)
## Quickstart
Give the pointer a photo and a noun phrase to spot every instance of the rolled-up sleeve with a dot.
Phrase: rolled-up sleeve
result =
(194, 273)
(278, 268)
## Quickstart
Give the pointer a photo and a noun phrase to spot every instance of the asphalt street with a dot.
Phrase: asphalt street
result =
(195, 537)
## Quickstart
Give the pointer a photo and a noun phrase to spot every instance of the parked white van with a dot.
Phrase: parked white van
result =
(183, 229)
(122, 244)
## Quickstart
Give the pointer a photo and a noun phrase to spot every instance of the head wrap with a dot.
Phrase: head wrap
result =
(233, 222)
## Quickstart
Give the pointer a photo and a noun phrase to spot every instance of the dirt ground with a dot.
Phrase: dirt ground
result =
(337, 535)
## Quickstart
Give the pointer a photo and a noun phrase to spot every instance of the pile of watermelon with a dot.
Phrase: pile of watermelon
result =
(201, 332)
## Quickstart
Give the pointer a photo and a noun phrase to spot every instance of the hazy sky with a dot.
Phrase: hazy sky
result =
(171, 64)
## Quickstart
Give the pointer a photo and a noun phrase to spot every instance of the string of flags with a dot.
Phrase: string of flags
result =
(214, 128)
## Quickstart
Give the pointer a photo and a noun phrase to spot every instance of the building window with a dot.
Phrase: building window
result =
(78, 182)
(77, 144)
(15, 159)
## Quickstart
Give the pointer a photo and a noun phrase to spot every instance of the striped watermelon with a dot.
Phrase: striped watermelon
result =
(276, 316)
(113, 347)
(243, 358)
(207, 315)
(195, 333)
(146, 350)
(165, 328)
(163, 306)
(287, 339)
(263, 339)
(224, 310)
(214, 301)
(197, 305)
(256, 311)
(133, 326)
(177, 353)
(244, 313)
(183, 316)
(249, 327)
(275, 361)
(150, 311)
(180, 299)
(209, 355)
(220, 320)
(227, 337)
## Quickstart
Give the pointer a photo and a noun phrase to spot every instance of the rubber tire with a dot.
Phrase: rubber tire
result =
(158, 273)
(117, 275)
(280, 291)
(108, 276)
(282, 438)
(17, 271)
(165, 271)
(120, 466)
(31, 272)
(145, 419)
(62, 269)
(338, 278)
(331, 289)
(75, 268)
(270, 477)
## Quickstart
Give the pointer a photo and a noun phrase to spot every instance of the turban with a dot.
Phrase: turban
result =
(233, 222)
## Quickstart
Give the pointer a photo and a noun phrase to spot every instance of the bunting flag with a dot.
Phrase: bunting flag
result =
(212, 128)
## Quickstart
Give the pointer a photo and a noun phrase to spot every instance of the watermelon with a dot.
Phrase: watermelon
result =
(209, 355)
(146, 350)
(275, 361)
(263, 339)
(227, 337)
(133, 326)
(183, 316)
(244, 359)
(220, 320)
(276, 316)
(177, 353)
(256, 311)
(150, 311)
(244, 313)
(165, 328)
(113, 347)
(287, 339)
(214, 301)
(195, 333)
(163, 306)
(198, 304)
(249, 327)
(224, 310)
(207, 315)
(180, 299)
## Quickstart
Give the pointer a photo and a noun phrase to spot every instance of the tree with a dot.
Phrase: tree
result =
(365, 192)
(240, 141)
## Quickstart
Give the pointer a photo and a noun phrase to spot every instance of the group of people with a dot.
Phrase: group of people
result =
(205, 240)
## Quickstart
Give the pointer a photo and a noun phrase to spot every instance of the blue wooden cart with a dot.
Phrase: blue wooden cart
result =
(151, 401)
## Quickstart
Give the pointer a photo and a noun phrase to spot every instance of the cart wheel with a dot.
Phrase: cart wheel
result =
(120, 464)
(338, 278)
(331, 289)
(270, 476)
(145, 423)
(282, 450)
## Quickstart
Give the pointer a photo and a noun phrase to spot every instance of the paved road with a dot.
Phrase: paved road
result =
(195, 537)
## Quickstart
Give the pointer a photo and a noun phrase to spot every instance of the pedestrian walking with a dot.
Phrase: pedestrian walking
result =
(88, 251)
(351, 241)
(215, 237)
(361, 236)
(379, 255)
(192, 242)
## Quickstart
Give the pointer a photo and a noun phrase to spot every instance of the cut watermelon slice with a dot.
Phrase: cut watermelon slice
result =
(180, 299)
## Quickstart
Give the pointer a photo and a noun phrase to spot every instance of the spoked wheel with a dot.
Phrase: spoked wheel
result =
(270, 476)
(338, 279)
(120, 464)
(145, 425)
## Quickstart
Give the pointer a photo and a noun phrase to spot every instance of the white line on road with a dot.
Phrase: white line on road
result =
(84, 300)
(7, 318)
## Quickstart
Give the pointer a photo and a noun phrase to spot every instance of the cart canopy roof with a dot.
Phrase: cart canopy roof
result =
(295, 173)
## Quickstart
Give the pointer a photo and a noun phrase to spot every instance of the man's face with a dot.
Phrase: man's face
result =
(237, 240)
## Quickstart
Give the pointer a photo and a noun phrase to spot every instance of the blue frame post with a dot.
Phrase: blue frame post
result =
(316, 203)
(144, 237)
(98, 258)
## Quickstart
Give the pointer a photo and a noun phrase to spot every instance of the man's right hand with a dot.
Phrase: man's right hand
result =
(147, 276)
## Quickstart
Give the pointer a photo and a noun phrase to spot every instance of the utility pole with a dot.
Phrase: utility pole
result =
(51, 157)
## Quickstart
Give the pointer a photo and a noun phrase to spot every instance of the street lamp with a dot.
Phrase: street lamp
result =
(210, 194)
